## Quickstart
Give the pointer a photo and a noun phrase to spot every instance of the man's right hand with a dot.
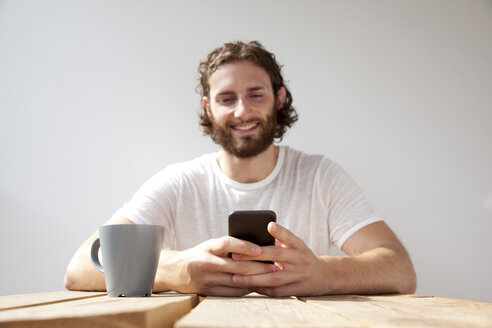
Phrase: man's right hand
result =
(207, 270)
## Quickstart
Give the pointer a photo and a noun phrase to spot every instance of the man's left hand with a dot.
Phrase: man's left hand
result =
(299, 270)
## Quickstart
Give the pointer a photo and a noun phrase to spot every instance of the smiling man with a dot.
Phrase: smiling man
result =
(246, 106)
(241, 107)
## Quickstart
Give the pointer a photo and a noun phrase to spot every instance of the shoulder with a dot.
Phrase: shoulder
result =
(195, 166)
(300, 160)
(180, 172)
(313, 168)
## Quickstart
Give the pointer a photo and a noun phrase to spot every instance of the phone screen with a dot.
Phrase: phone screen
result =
(252, 226)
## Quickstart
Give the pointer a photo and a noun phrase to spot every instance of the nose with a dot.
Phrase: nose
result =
(243, 110)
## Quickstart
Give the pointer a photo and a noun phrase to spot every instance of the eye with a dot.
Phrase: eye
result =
(226, 100)
(256, 96)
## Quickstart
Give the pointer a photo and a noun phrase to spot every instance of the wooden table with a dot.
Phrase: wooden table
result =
(80, 309)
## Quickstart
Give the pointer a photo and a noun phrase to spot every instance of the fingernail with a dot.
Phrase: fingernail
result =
(256, 250)
(237, 279)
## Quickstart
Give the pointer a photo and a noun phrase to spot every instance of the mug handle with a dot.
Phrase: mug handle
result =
(95, 255)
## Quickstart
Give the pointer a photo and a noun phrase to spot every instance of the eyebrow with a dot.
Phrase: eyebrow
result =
(230, 92)
(255, 88)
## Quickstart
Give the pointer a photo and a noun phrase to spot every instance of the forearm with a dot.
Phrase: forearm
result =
(168, 276)
(81, 273)
(377, 271)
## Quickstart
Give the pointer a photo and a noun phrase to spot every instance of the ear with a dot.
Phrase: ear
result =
(206, 105)
(281, 96)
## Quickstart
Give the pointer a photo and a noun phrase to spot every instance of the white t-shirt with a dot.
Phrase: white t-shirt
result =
(312, 196)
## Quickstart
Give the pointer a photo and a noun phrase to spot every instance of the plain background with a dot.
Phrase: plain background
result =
(97, 96)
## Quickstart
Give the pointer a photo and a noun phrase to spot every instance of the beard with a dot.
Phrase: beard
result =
(246, 146)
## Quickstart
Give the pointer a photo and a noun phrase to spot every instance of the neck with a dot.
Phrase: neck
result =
(248, 170)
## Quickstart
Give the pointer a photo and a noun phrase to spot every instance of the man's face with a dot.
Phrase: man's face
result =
(242, 108)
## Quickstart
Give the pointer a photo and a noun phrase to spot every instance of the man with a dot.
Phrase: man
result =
(246, 105)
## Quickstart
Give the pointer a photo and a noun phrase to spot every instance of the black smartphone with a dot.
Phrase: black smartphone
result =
(252, 226)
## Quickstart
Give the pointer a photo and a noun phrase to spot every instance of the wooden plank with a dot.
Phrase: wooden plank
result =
(26, 300)
(407, 310)
(259, 311)
(159, 310)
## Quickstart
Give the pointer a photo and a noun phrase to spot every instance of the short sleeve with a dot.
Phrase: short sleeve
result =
(349, 210)
(154, 203)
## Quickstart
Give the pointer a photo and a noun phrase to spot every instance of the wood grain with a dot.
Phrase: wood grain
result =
(260, 311)
(26, 300)
(407, 310)
(80, 309)
(159, 310)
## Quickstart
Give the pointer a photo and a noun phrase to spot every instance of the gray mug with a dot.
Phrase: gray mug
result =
(131, 254)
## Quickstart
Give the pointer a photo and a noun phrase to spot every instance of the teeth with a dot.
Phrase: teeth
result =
(245, 127)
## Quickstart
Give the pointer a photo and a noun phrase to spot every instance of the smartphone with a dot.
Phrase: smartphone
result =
(252, 226)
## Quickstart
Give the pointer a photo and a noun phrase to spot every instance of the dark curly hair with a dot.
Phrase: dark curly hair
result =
(255, 53)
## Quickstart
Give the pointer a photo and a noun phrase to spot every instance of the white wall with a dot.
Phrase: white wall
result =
(96, 96)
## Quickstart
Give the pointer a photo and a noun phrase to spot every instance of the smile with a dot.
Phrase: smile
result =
(245, 127)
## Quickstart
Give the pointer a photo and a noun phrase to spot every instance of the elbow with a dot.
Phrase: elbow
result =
(408, 281)
(412, 285)
(76, 279)
(409, 286)
(70, 280)
(405, 271)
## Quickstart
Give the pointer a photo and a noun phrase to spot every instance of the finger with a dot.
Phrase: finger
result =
(274, 279)
(225, 245)
(219, 265)
(272, 253)
(278, 243)
(247, 268)
(285, 236)
(211, 281)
